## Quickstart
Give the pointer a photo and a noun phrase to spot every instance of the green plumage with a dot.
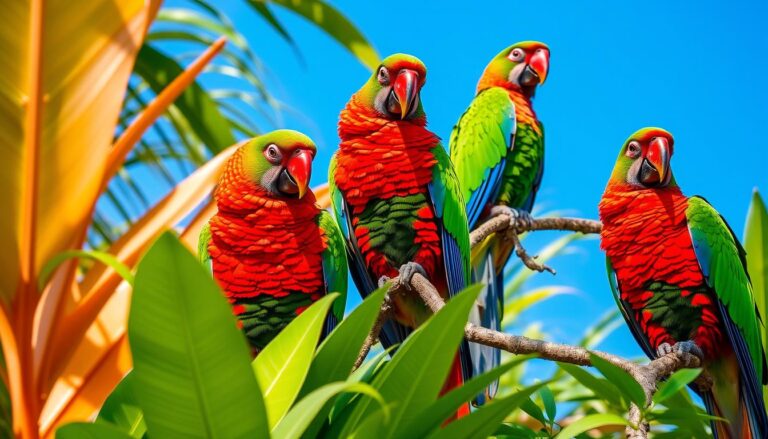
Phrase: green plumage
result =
(334, 263)
(722, 261)
(390, 226)
(524, 164)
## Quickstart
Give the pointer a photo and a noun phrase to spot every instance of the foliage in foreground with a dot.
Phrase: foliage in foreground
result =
(193, 376)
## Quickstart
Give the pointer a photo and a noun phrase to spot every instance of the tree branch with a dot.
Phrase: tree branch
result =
(647, 375)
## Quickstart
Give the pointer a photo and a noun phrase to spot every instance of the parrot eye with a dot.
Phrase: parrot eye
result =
(516, 55)
(272, 153)
(383, 76)
(633, 150)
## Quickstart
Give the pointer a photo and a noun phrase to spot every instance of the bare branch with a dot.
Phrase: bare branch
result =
(384, 315)
(529, 261)
(501, 223)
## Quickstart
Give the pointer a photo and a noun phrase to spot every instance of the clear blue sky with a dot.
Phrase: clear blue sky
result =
(696, 70)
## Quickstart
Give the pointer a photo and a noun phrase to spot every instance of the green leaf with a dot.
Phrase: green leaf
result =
(122, 410)
(283, 364)
(600, 387)
(630, 389)
(589, 422)
(418, 370)
(533, 410)
(363, 374)
(549, 403)
(296, 421)
(756, 246)
(675, 383)
(335, 24)
(85, 430)
(191, 364)
(433, 415)
(485, 420)
(338, 352)
(197, 107)
(514, 432)
(103, 257)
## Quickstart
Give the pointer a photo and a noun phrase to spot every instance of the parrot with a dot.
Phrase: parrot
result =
(497, 148)
(678, 274)
(397, 200)
(269, 246)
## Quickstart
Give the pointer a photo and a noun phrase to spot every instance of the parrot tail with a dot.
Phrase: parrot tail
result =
(745, 414)
(455, 379)
(486, 313)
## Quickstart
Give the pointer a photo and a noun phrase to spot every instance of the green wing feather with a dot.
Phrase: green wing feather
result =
(722, 261)
(449, 207)
(334, 263)
(202, 246)
(479, 144)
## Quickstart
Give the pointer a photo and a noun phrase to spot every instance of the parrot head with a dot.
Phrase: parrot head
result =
(393, 89)
(644, 160)
(520, 66)
(280, 162)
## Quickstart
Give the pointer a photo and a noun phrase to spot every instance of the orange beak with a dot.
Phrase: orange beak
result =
(299, 168)
(658, 156)
(540, 64)
(406, 88)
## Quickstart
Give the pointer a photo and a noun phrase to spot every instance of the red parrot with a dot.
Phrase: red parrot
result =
(272, 250)
(397, 198)
(679, 276)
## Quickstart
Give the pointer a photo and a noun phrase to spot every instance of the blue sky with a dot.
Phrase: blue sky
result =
(696, 70)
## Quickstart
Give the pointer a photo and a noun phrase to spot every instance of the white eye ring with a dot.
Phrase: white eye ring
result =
(383, 76)
(633, 149)
(273, 153)
(516, 54)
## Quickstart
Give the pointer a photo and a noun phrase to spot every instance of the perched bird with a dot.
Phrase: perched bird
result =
(272, 250)
(497, 147)
(679, 276)
(396, 197)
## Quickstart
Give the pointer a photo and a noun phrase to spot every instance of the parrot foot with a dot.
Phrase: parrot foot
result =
(383, 280)
(519, 218)
(686, 347)
(407, 271)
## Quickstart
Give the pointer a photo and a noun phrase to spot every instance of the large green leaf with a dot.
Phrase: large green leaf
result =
(676, 382)
(418, 370)
(756, 245)
(335, 24)
(487, 419)
(85, 430)
(629, 387)
(199, 110)
(589, 422)
(296, 421)
(122, 410)
(337, 354)
(191, 365)
(435, 414)
(282, 366)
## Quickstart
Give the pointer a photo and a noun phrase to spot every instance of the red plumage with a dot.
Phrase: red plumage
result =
(646, 237)
(262, 245)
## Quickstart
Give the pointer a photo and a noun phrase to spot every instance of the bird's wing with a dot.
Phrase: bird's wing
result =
(202, 246)
(479, 144)
(334, 268)
(722, 261)
(451, 217)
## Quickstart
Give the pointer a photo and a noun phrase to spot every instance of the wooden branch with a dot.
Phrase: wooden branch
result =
(387, 310)
(646, 375)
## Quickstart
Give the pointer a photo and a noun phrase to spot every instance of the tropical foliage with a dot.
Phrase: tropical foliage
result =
(79, 94)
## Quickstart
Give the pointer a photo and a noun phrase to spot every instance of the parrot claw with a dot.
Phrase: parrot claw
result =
(519, 218)
(686, 347)
(383, 280)
(407, 271)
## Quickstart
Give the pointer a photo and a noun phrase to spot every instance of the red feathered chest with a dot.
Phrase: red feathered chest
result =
(645, 235)
(264, 245)
(380, 158)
